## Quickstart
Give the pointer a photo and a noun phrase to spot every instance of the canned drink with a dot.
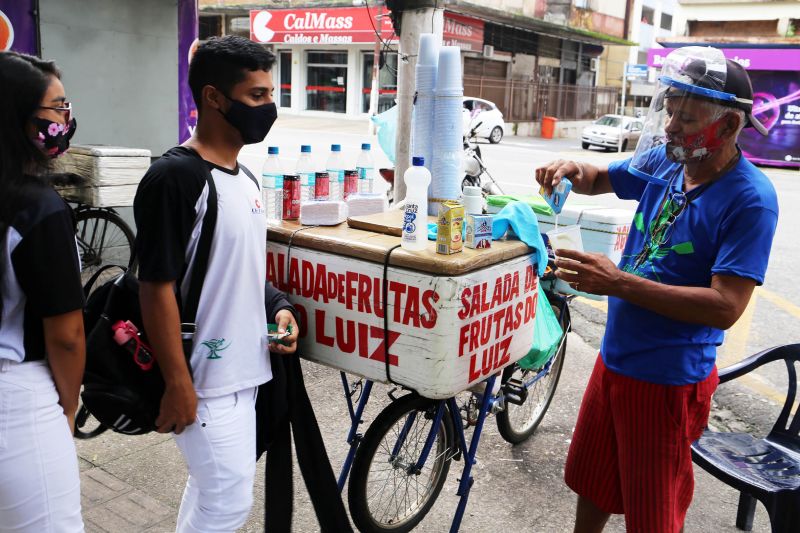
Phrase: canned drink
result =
(350, 183)
(291, 197)
(322, 186)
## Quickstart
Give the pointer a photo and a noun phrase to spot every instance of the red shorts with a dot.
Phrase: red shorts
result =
(630, 453)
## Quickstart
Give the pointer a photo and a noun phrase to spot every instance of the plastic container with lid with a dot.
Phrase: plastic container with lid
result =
(473, 200)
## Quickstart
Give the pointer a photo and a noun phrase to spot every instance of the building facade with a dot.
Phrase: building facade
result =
(515, 53)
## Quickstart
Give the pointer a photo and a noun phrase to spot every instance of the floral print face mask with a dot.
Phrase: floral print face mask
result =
(53, 137)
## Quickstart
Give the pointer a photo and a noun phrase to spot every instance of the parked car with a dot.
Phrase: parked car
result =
(477, 110)
(605, 132)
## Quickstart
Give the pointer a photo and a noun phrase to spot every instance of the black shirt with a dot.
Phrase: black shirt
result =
(41, 270)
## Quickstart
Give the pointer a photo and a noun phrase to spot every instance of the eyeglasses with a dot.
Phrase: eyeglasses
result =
(675, 203)
(66, 108)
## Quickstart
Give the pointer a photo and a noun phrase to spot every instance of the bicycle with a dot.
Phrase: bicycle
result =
(398, 467)
(104, 238)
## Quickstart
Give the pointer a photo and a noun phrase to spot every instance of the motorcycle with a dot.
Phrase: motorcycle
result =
(474, 169)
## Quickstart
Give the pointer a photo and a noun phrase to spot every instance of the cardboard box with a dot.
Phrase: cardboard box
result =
(479, 231)
(450, 226)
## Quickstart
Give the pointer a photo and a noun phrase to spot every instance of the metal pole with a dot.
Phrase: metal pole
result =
(414, 22)
(622, 111)
(374, 94)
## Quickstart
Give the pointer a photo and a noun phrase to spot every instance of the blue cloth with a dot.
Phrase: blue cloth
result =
(520, 217)
(726, 229)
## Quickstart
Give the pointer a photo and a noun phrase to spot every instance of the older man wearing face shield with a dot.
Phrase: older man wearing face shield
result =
(699, 244)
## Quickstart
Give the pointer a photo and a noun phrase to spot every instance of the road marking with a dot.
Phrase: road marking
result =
(734, 348)
(779, 301)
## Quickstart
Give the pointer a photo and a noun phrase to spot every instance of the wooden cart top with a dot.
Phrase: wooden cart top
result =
(373, 245)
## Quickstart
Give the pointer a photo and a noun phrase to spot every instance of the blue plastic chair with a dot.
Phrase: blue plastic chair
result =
(768, 469)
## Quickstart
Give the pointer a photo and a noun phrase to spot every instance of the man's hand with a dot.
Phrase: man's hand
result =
(591, 273)
(586, 178)
(288, 345)
(178, 407)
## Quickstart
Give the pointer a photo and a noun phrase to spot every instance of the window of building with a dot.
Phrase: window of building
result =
(239, 26)
(285, 67)
(326, 81)
(666, 21)
(387, 81)
(727, 28)
(648, 15)
(209, 26)
(641, 57)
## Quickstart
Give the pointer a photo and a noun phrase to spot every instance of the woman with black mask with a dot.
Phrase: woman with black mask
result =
(41, 326)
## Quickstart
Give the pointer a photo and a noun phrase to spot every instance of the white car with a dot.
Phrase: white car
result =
(605, 132)
(477, 110)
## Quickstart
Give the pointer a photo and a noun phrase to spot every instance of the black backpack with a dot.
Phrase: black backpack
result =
(117, 391)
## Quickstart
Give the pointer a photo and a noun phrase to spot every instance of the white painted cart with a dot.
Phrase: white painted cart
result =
(434, 325)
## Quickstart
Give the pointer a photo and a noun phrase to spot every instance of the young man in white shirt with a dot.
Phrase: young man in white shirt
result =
(210, 404)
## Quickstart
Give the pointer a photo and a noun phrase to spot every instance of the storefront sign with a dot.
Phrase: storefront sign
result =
(776, 101)
(344, 25)
(18, 26)
(636, 71)
(749, 58)
(464, 32)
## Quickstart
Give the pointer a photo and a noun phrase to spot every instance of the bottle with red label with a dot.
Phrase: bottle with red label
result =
(321, 186)
(351, 180)
(291, 197)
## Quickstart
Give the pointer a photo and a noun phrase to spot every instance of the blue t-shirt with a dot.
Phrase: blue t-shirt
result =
(726, 228)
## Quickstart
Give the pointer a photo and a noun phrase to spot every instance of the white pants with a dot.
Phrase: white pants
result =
(39, 480)
(220, 453)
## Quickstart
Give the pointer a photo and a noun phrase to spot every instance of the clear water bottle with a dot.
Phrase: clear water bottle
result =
(272, 185)
(366, 169)
(305, 168)
(415, 217)
(335, 169)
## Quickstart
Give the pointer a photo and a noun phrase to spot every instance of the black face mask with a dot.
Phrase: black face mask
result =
(53, 137)
(252, 122)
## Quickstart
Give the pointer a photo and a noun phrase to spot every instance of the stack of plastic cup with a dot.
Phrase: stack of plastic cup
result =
(426, 70)
(447, 172)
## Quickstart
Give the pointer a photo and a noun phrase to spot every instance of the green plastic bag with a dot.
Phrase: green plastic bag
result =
(547, 334)
(536, 202)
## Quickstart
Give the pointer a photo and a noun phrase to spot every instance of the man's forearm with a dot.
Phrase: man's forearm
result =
(696, 305)
(163, 326)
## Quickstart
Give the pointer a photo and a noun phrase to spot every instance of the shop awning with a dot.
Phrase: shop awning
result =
(539, 26)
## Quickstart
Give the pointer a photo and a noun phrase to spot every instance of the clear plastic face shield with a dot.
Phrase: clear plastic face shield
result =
(680, 119)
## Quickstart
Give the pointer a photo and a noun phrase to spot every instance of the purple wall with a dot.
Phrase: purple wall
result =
(187, 40)
(18, 26)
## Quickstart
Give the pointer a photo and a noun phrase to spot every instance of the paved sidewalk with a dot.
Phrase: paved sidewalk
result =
(134, 484)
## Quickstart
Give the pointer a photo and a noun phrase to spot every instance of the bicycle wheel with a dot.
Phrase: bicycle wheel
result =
(103, 239)
(518, 422)
(87, 426)
(385, 493)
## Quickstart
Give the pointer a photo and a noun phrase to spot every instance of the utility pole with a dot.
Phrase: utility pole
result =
(374, 94)
(415, 17)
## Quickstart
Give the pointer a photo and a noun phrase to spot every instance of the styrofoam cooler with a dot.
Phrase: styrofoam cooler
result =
(445, 332)
(603, 230)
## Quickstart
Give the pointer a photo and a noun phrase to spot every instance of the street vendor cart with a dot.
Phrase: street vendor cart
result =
(433, 325)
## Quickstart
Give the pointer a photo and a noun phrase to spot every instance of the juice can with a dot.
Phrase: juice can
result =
(350, 183)
(291, 197)
(322, 186)
(450, 225)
